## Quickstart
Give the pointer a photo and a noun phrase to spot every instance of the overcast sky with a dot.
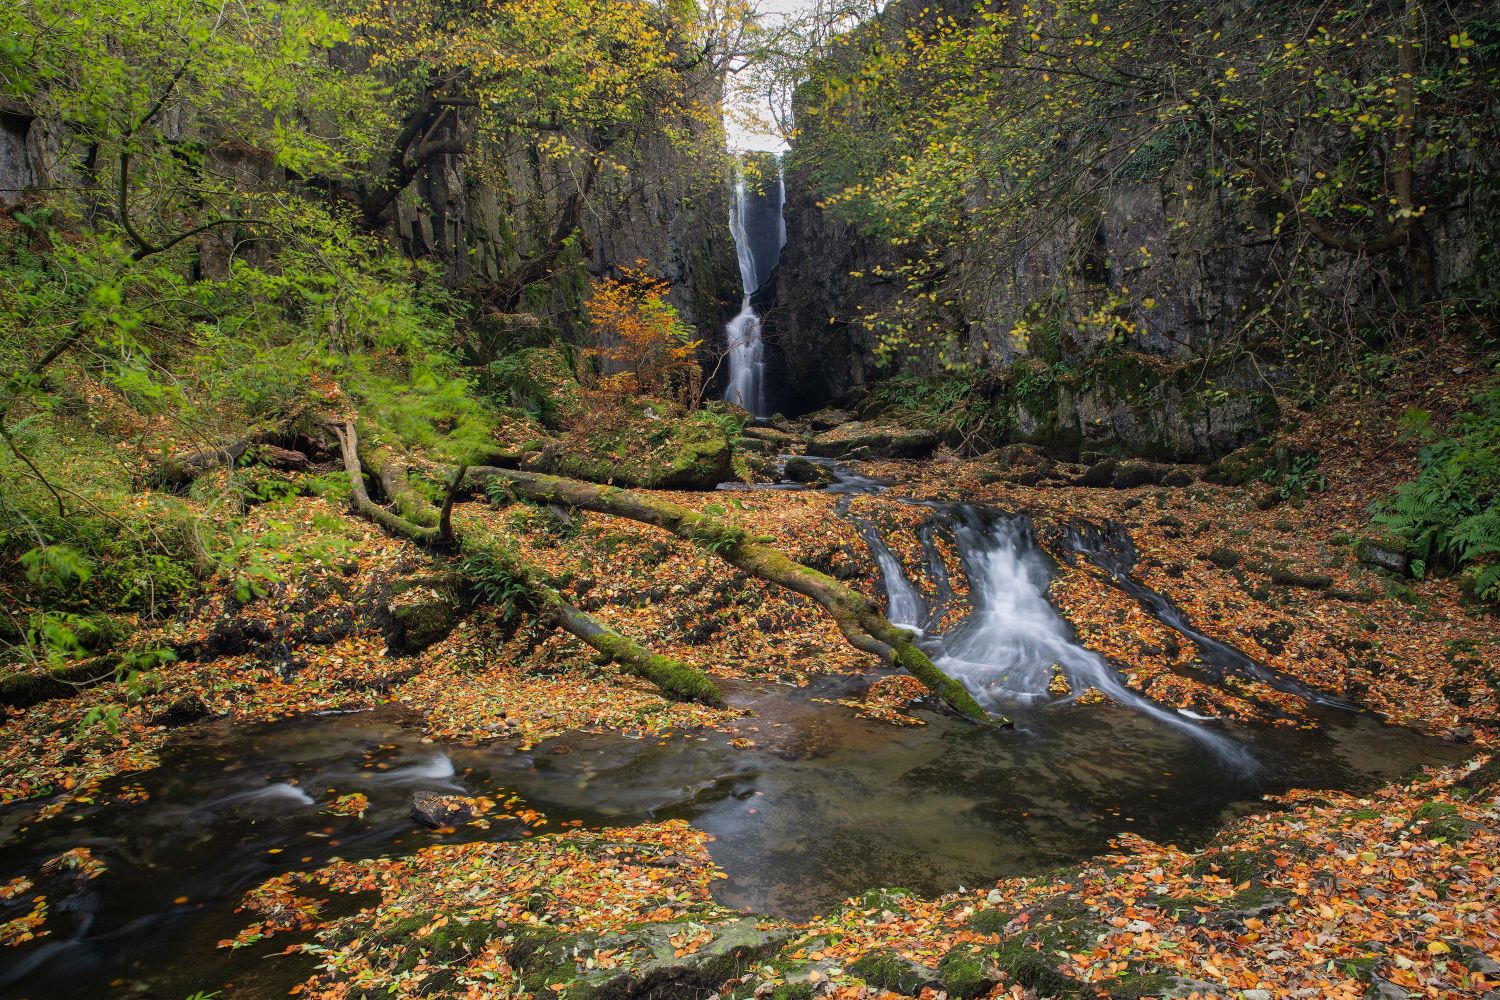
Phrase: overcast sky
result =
(741, 137)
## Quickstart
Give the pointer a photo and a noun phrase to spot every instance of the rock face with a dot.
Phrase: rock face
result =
(1174, 265)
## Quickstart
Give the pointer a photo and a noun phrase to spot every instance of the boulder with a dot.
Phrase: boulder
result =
(829, 418)
(800, 470)
(434, 810)
(1129, 475)
(873, 440)
(1385, 552)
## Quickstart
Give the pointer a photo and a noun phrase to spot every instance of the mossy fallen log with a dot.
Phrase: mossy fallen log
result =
(864, 627)
(390, 471)
(672, 677)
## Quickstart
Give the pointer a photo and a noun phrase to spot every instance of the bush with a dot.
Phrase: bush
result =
(1451, 511)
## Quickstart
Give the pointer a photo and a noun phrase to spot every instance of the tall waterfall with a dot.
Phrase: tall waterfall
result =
(758, 244)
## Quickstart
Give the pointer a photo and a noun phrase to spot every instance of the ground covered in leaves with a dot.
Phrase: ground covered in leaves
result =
(1333, 896)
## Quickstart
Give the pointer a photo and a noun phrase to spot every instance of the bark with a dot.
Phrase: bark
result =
(391, 472)
(391, 521)
(181, 469)
(864, 627)
(672, 677)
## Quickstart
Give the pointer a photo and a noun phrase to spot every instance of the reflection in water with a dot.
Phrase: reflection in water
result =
(825, 806)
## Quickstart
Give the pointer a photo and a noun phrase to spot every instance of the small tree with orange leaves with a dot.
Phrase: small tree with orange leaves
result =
(642, 345)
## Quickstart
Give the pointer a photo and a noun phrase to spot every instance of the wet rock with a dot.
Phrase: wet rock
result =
(434, 810)
(800, 470)
(1182, 475)
(873, 440)
(1387, 553)
(420, 614)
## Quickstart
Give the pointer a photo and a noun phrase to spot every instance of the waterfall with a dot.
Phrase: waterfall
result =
(757, 256)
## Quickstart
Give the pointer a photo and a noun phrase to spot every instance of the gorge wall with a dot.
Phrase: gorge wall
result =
(1188, 272)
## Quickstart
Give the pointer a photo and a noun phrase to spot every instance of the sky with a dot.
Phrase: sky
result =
(740, 137)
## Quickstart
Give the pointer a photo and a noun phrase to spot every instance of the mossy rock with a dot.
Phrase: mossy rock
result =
(967, 972)
(890, 971)
(1034, 969)
(989, 921)
(1387, 552)
(1241, 466)
(1291, 577)
(794, 991)
(1223, 557)
(420, 614)
(800, 470)
(1235, 867)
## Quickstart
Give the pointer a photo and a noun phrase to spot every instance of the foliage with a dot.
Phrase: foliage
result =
(645, 346)
(1451, 510)
(963, 139)
(493, 573)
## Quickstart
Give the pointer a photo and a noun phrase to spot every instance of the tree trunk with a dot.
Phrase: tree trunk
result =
(864, 627)
(672, 677)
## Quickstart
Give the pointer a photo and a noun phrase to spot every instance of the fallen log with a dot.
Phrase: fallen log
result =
(864, 627)
(672, 677)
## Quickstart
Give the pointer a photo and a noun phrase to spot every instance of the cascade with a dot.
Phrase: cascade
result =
(758, 245)
(1006, 650)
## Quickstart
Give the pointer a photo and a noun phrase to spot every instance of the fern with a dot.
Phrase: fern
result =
(1450, 512)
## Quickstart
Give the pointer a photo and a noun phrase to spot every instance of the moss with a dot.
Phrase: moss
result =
(989, 922)
(889, 971)
(794, 991)
(1289, 577)
(1241, 466)
(1233, 866)
(1034, 970)
(1224, 558)
(915, 662)
(1486, 777)
(966, 973)
(1137, 985)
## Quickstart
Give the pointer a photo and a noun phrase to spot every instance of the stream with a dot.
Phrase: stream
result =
(822, 807)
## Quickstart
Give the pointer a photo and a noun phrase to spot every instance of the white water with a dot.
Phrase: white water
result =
(905, 606)
(1013, 640)
(747, 354)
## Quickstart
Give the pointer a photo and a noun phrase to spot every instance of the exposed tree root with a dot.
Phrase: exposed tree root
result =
(673, 677)
(863, 626)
